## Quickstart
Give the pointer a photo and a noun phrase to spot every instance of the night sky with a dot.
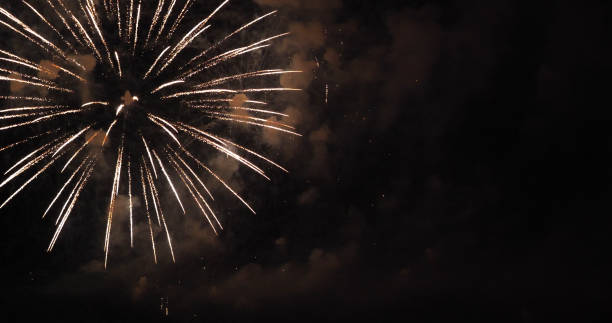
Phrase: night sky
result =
(455, 165)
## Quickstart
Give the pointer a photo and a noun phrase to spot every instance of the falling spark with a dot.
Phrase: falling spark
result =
(119, 65)
(161, 165)
(119, 108)
(163, 86)
(144, 195)
(129, 170)
(155, 62)
(94, 103)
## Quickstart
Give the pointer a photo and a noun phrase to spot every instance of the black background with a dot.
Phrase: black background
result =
(479, 192)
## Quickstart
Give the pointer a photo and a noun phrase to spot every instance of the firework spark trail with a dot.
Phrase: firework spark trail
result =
(89, 24)
(70, 196)
(185, 179)
(242, 117)
(27, 76)
(119, 19)
(27, 140)
(39, 68)
(19, 116)
(160, 5)
(253, 153)
(154, 196)
(243, 76)
(228, 37)
(28, 156)
(27, 63)
(257, 124)
(193, 173)
(182, 170)
(71, 139)
(42, 170)
(34, 108)
(90, 43)
(161, 165)
(136, 30)
(196, 106)
(163, 86)
(25, 98)
(29, 165)
(190, 36)
(94, 103)
(111, 206)
(155, 63)
(229, 55)
(119, 108)
(182, 45)
(67, 43)
(180, 18)
(224, 100)
(144, 195)
(64, 187)
(37, 84)
(79, 150)
(93, 20)
(163, 121)
(150, 156)
(165, 20)
(69, 210)
(130, 26)
(119, 65)
(167, 235)
(166, 130)
(66, 24)
(222, 148)
(218, 179)
(108, 131)
(32, 32)
(210, 91)
(47, 117)
(129, 170)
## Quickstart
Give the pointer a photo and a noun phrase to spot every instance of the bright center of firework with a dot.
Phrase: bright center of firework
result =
(127, 99)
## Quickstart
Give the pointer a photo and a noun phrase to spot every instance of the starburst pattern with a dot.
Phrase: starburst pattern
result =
(64, 102)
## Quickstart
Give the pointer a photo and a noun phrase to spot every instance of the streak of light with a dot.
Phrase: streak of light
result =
(43, 85)
(111, 207)
(150, 157)
(167, 85)
(210, 91)
(129, 170)
(119, 65)
(161, 165)
(47, 117)
(165, 20)
(94, 103)
(219, 179)
(144, 195)
(71, 140)
(160, 5)
(64, 187)
(79, 150)
(231, 35)
(42, 170)
(108, 131)
(155, 62)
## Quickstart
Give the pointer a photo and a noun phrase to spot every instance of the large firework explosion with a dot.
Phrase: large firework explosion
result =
(102, 80)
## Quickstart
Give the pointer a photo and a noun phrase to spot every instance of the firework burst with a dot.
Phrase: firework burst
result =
(102, 80)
